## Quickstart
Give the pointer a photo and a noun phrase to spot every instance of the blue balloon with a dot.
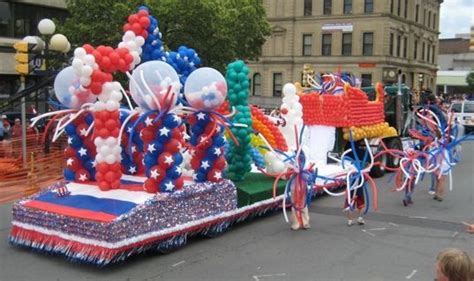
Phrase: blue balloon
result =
(167, 185)
(150, 160)
(178, 158)
(75, 141)
(173, 172)
(201, 176)
(70, 129)
(154, 148)
(69, 175)
(172, 121)
(89, 118)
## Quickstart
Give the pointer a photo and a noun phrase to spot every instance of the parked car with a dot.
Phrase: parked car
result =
(464, 113)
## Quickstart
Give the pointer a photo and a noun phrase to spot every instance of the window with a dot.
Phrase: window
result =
(307, 44)
(369, 6)
(257, 84)
(399, 44)
(347, 6)
(399, 7)
(415, 50)
(346, 44)
(406, 9)
(327, 7)
(326, 48)
(434, 20)
(308, 7)
(392, 37)
(429, 19)
(424, 17)
(423, 51)
(417, 10)
(429, 53)
(366, 80)
(391, 6)
(405, 45)
(433, 54)
(277, 80)
(368, 43)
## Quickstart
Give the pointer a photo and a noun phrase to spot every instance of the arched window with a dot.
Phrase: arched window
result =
(257, 84)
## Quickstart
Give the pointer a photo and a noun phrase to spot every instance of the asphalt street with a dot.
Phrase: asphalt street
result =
(397, 243)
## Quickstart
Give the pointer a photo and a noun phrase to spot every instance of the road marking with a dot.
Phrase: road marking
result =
(178, 263)
(455, 234)
(375, 229)
(370, 233)
(257, 277)
(417, 217)
(394, 224)
(411, 274)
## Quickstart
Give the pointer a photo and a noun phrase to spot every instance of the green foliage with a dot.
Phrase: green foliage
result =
(470, 81)
(219, 30)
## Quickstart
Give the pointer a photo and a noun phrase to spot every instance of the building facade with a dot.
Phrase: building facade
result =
(371, 39)
(19, 19)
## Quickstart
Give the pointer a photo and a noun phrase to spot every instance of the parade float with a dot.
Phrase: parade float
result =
(193, 157)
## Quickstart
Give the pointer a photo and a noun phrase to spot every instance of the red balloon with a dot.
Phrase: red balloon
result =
(127, 27)
(137, 28)
(105, 62)
(99, 177)
(102, 115)
(179, 183)
(88, 48)
(142, 13)
(73, 163)
(133, 18)
(220, 163)
(144, 34)
(69, 152)
(128, 58)
(114, 57)
(104, 185)
(173, 146)
(144, 22)
(114, 114)
(166, 160)
(214, 175)
(103, 133)
(96, 88)
(157, 173)
(122, 51)
(102, 50)
(115, 184)
(102, 168)
(96, 75)
(110, 176)
(97, 55)
(176, 134)
(115, 167)
(150, 186)
(115, 132)
(82, 175)
(195, 163)
(122, 65)
(148, 134)
(111, 124)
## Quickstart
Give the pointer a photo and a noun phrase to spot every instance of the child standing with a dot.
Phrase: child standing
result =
(358, 199)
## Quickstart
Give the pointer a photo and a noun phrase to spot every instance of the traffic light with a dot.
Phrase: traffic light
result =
(22, 57)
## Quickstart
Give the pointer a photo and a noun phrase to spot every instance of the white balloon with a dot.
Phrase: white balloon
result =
(289, 89)
(140, 41)
(85, 81)
(116, 96)
(111, 159)
(104, 150)
(111, 105)
(80, 52)
(278, 166)
(100, 158)
(77, 63)
(131, 45)
(108, 87)
(121, 45)
(111, 141)
(86, 71)
(99, 106)
(89, 59)
(99, 142)
(129, 35)
(117, 150)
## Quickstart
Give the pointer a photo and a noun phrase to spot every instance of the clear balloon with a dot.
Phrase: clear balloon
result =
(205, 89)
(68, 90)
(155, 82)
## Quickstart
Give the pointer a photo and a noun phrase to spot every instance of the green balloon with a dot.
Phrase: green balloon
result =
(242, 77)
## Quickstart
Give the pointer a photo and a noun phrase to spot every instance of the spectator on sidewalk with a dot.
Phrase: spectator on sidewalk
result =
(16, 128)
(454, 265)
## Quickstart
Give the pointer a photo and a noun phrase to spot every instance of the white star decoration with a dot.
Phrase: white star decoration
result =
(82, 151)
(129, 130)
(82, 177)
(205, 165)
(178, 170)
(69, 161)
(148, 121)
(134, 149)
(151, 148)
(169, 186)
(218, 175)
(164, 131)
(94, 163)
(132, 170)
(194, 177)
(217, 151)
(83, 131)
(169, 160)
(69, 140)
(176, 119)
(154, 174)
(201, 116)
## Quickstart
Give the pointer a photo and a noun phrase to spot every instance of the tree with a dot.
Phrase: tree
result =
(470, 81)
(219, 30)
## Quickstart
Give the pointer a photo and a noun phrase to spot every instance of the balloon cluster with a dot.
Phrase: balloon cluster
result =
(153, 48)
(262, 124)
(257, 158)
(80, 152)
(370, 131)
(350, 109)
(69, 91)
(184, 61)
(239, 159)
(139, 23)
(292, 111)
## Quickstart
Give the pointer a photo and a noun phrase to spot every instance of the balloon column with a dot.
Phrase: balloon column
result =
(132, 163)
(205, 91)
(239, 158)
(155, 86)
(80, 152)
(292, 111)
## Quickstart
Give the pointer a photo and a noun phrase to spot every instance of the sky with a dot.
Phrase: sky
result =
(456, 17)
